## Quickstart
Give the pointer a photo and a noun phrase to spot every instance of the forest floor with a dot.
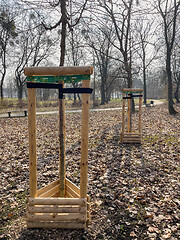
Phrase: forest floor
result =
(134, 189)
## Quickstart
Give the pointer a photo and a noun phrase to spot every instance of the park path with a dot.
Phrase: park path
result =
(156, 102)
(21, 114)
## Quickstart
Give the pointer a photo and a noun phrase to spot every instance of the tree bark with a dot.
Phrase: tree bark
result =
(169, 76)
(144, 75)
(103, 97)
(1, 86)
(63, 32)
(176, 94)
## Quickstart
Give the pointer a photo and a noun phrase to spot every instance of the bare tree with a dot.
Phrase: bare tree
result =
(32, 47)
(121, 14)
(148, 50)
(7, 35)
(169, 11)
(176, 70)
(100, 39)
(64, 22)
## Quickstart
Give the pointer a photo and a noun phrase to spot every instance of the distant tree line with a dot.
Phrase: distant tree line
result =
(129, 43)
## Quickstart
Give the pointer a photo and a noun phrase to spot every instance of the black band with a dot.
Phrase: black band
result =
(132, 96)
(43, 85)
(127, 97)
(140, 95)
(60, 87)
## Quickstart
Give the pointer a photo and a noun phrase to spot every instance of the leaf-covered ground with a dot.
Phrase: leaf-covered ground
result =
(134, 189)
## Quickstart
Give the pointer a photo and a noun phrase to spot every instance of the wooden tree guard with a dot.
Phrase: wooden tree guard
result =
(46, 207)
(128, 135)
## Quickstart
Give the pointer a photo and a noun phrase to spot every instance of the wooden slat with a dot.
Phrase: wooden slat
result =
(56, 194)
(72, 192)
(131, 90)
(140, 109)
(72, 185)
(56, 209)
(50, 193)
(68, 195)
(47, 188)
(129, 116)
(57, 201)
(88, 211)
(132, 132)
(131, 141)
(65, 225)
(32, 142)
(123, 113)
(62, 165)
(132, 135)
(56, 217)
(84, 140)
(57, 71)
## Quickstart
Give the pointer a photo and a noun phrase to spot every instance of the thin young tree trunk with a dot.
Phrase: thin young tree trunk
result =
(169, 76)
(61, 103)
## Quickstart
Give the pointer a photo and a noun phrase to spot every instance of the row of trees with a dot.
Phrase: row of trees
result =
(123, 39)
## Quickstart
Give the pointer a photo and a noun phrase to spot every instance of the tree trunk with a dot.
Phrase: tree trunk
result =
(144, 76)
(63, 32)
(1, 90)
(20, 92)
(62, 171)
(103, 96)
(169, 76)
(144, 88)
(1, 85)
(74, 99)
(176, 94)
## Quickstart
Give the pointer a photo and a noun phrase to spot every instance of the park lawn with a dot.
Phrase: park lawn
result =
(134, 189)
(12, 104)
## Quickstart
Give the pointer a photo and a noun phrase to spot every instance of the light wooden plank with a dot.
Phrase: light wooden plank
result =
(57, 201)
(47, 188)
(56, 209)
(50, 193)
(65, 225)
(68, 195)
(129, 115)
(84, 140)
(72, 192)
(140, 110)
(62, 170)
(56, 217)
(123, 113)
(72, 185)
(32, 142)
(132, 90)
(56, 194)
(58, 71)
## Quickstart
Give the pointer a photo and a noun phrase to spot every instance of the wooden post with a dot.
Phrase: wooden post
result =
(129, 114)
(123, 114)
(32, 142)
(140, 104)
(84, 140)
(57, 71)
(62, 146)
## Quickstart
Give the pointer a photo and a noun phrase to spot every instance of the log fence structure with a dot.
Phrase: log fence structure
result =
(61, 204)
(128, 135)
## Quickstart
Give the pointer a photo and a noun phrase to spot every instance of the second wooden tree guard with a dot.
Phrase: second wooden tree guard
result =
(61, 204)
(128, 135)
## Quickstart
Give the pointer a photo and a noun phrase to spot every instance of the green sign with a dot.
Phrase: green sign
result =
(56, 79)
